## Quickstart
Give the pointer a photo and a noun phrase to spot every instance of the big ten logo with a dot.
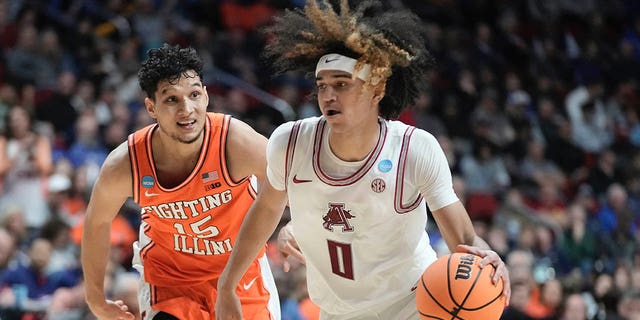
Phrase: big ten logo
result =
(212, 186)
(463, 271)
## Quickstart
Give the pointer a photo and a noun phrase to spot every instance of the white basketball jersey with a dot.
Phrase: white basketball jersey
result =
(360, 225)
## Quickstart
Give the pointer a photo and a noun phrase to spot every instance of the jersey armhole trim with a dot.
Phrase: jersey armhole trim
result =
(291, 147)
(402, 164)
(224, 132)
(135, 179)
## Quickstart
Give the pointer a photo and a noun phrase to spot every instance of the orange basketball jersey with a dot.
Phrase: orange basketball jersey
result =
(188, 231)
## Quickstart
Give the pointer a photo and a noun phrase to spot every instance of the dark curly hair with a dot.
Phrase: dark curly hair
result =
(167, 63)
(391, 41)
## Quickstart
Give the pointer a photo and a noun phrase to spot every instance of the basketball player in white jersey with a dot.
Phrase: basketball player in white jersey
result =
(357, 184)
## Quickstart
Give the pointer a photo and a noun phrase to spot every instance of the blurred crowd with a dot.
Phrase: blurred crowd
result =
(535, 103)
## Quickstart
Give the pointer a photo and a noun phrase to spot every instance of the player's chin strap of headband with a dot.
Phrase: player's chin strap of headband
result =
(334, 61)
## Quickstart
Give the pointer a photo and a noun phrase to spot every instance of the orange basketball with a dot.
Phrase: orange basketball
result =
(455, 287)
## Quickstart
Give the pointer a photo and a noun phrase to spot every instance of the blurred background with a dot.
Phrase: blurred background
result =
(535, 103)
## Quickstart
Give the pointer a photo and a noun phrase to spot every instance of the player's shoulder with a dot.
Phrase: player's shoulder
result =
(397, 127)
(417, 141)
(240, 128)
(286, 129)
(117, 165)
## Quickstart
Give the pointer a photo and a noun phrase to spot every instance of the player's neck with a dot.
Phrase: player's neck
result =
(168, 150)
(354, 145)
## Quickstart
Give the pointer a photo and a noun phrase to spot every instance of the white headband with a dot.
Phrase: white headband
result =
(334, 61)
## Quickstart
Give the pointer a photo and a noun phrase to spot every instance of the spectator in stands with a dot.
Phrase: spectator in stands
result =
(68, 193)
(549, 203)
(629, 306)
(547, 302)
(632, 34)
(246, 15)
(32, 277)
(425, 117)
(8, 98)
(574, 307)
(88, 148)
(605, 172)
(535, 169)
(489, 121)
(453, 156)
(291, 290)
(83, 98)
(562, 150)
(585, 108)
(579, 242)
(484, 170)
(520, 264)
(58, 188)
(57, 110)
(55, 58)
(13, 221)
(64, 253)
(8, 27)
(24, 61)
(67, 304)
(7, 249)
(616, 222)
(520, 297)
(25, 166)
(115, 132)
(498, 240)
(486, 178)
(606, 297)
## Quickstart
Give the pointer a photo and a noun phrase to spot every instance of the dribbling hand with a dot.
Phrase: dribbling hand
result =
(491, 257)
(288, 247)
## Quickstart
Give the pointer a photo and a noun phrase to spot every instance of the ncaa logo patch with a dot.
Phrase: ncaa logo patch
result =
(147, 182)
(385, 165)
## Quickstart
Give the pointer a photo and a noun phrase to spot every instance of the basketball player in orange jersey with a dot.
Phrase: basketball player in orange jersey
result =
(357, 183)
(191, 173)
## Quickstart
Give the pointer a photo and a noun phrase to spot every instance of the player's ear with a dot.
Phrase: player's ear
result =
(150, 105)
(380, 90)
(206, 94)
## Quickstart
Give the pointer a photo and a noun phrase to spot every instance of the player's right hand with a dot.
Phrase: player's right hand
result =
(288, 247)
(228, 306)
(112, 310)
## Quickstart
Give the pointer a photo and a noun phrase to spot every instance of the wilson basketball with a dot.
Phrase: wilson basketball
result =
(455, 287)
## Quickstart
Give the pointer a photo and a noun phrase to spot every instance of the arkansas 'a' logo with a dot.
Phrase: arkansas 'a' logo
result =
(337, 216)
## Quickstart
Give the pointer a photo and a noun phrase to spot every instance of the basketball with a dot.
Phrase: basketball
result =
(455, 287)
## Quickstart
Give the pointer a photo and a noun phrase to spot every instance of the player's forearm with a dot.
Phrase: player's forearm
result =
(256, 229)
(94, 253)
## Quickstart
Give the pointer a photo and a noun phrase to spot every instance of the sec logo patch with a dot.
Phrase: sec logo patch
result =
(378, 185)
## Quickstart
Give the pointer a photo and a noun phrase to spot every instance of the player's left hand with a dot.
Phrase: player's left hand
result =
(491, 257)
(288, 247)
(228, 306)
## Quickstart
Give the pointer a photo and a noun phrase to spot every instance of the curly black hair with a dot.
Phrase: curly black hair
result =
(391, 41)
(167, 63)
